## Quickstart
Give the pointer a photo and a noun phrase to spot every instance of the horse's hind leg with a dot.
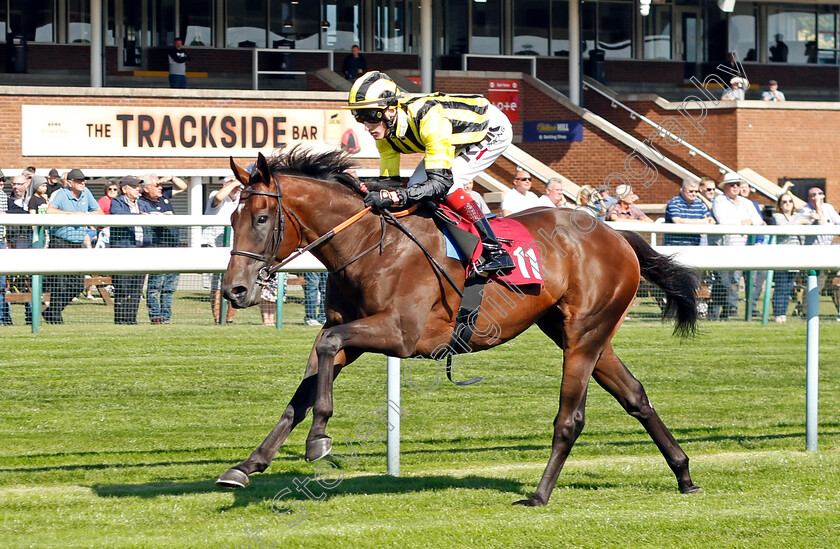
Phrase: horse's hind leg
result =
(611, 374)
(295, 412)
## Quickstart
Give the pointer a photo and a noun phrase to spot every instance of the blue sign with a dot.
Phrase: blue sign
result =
(559, 130)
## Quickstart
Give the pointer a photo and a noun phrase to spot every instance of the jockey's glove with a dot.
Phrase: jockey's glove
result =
(383, 198)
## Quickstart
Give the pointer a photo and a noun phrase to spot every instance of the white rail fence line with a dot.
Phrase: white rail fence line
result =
(141, 260)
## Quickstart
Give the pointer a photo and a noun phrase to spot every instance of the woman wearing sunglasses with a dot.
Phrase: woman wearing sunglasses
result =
(460, 136)
(783, 280)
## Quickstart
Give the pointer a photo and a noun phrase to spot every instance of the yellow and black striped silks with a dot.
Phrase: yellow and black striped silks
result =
(435, 125)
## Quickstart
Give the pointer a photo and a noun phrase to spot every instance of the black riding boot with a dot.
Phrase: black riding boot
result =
(495, 257)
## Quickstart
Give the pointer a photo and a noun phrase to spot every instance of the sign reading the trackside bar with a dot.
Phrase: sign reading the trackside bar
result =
(104, 131)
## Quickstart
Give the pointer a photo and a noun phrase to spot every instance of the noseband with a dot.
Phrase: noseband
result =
(279, 229)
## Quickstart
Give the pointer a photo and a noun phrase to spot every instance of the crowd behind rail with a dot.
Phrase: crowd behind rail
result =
(706, 202)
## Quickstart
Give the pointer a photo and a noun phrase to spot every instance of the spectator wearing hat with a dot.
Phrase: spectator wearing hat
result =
(818, 212)
(687, 208)
(157, 200)
(737, 90)
(773, 94)
(730, 208)
(624, 209)
(222, 203)
(128, 288)
(54, 182)
(520, 197)
(605, 199)
(590, 202)
(75, 199)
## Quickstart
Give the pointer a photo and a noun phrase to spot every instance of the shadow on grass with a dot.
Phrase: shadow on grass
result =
(265, 488)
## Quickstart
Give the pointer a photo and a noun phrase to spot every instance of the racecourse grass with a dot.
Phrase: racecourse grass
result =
(113, 437)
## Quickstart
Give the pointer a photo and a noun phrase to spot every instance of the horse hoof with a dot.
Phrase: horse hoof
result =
(690, 489)
(232, 479)
(318, 448)
(532, 501)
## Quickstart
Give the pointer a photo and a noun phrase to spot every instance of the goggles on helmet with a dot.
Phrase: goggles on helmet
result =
(369, 115)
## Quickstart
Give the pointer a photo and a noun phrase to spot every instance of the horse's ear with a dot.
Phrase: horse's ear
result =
(241, 175)
(262, 168)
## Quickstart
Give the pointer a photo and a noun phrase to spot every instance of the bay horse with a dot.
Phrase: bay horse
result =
(388, 298)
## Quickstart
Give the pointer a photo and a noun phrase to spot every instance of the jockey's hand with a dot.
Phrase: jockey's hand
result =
(382, 199)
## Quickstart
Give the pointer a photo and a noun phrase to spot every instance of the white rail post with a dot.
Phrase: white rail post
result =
(394, 416)
(812, 362)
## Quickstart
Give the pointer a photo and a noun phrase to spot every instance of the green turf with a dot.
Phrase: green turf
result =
(112, 437)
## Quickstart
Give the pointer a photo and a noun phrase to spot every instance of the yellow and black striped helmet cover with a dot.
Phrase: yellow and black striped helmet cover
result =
(373, 90)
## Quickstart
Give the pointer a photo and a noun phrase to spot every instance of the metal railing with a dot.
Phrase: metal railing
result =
(281, 51)
(466, 56)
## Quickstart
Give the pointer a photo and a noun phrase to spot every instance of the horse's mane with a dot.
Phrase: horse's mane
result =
(331, 166)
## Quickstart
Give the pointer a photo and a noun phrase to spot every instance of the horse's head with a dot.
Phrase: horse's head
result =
(258, 234)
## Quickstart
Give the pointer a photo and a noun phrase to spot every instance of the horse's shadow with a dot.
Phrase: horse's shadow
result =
(284, 488)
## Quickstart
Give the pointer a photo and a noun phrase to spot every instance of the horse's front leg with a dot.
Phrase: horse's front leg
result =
(295, 412)
(371, 334)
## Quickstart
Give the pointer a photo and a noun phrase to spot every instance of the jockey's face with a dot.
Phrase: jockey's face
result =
(379, 130)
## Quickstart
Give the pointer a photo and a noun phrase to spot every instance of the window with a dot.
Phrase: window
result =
(791, 35)
(195, 22)
(826, 38)
(164, 16)
(344, 20)
(530, 32)
(742, 31)
(658, 32)
(390, 25)
(559, 28)
(615, 29)
(486, 27)
(78, 21)
(246, 20)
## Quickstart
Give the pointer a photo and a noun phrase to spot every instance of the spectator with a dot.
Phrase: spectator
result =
(590, 202)
(156, 200)
(624, 209)
(779, 52)
(818, 212)
(737, 90)
(221, 203)
(707, 192)
(760, 276)
(606, 199)
(268, 300)
(5, 314)
(54, 182)
(686, 208)
(112, 190)
(774, 94)
(75, 199)
(37, 198)
(354, 64)
(19, 236)
(729, 209)
(783, 280)
(178, 60)
(553, 197)
(468, 186)
(520, 197)
(314, 310)
(128, 288)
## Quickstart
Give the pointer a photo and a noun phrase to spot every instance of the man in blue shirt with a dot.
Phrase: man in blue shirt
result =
(157, 200)
(687, 208)
(74, 199)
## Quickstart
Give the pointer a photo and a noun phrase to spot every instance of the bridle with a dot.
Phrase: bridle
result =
(268, 256)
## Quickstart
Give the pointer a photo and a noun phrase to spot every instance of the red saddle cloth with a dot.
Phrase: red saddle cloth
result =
(518, 242)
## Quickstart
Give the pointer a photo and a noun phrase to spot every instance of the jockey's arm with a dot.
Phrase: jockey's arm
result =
(436, 133)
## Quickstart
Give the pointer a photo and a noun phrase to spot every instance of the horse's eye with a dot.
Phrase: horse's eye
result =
(262, 219)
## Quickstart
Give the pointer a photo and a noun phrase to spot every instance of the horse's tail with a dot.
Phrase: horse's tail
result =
(679, 284)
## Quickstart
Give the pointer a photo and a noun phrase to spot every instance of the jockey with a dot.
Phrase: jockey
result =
(461, 136)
